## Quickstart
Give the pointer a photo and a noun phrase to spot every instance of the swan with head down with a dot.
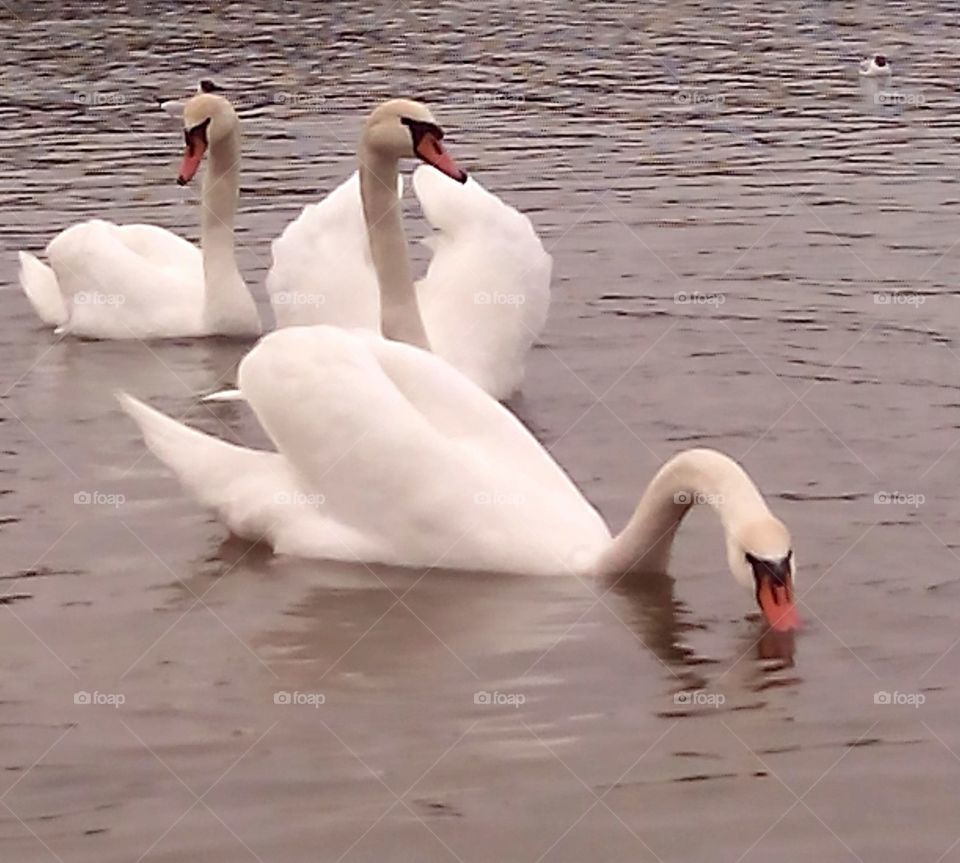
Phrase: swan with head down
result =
(383, 453)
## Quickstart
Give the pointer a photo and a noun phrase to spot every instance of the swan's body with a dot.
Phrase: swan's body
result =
(386, 454)
(485, 296)
(875, 67)
(140, 281)
(322, 271)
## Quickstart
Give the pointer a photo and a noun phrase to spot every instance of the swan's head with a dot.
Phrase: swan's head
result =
(403, 129)
(875, 66)
(761, 559)
(208, 118)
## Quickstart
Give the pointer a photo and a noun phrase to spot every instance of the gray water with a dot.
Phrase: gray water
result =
(725, 153)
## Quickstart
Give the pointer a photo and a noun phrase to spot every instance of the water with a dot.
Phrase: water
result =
(724, 152)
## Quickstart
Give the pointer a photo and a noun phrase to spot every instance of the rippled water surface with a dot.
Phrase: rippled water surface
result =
(752, 252)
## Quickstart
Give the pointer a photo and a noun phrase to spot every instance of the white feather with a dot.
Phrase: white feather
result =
(385, 454)
(485, 296)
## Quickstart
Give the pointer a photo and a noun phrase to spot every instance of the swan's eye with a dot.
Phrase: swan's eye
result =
(419, 129)
(777, 571)
(196, 136)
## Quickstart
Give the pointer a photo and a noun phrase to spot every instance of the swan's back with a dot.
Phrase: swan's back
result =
(135, 281)
(322, 271)
(412, 456)
(162, 248)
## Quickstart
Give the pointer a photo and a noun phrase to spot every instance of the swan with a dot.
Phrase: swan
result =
(109, 281)
(875, 67)
(386, 454)
(486, 293)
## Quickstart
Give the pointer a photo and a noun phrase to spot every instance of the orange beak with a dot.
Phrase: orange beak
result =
(776, 603)
(196, 139)
(431, 151)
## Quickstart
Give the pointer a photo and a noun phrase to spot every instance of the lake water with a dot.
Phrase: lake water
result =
(752, 252)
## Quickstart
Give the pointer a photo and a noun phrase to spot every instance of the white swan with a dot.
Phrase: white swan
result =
(139, 281)
(875, 67)
(485, 296)
(386, 454)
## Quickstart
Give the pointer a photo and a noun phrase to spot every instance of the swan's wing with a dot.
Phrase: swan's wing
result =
(413, 457)
(322, 272)
(118, 284)
(254, 493)
(162, 248)
(486, 294)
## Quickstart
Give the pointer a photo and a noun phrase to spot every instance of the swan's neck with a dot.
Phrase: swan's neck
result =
(227, 302)
(694, 476)
(399, 313)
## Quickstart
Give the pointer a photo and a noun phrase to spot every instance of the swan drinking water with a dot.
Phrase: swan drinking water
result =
(109, 281)
(386, 454)
(344, 261)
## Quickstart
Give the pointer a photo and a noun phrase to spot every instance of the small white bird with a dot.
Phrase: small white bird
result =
(876, 67)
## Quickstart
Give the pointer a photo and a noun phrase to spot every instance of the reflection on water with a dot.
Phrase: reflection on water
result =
(754, 250)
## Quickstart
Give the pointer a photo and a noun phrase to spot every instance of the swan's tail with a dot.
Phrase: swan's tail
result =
(253, 492)
(40, 285)
(205, 465)
(224, 396)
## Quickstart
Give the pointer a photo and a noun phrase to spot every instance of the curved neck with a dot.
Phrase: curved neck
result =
(694, 476)
(399, 313)
(224, 288)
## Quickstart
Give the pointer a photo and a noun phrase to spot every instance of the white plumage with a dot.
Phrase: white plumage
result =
(483, 301)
